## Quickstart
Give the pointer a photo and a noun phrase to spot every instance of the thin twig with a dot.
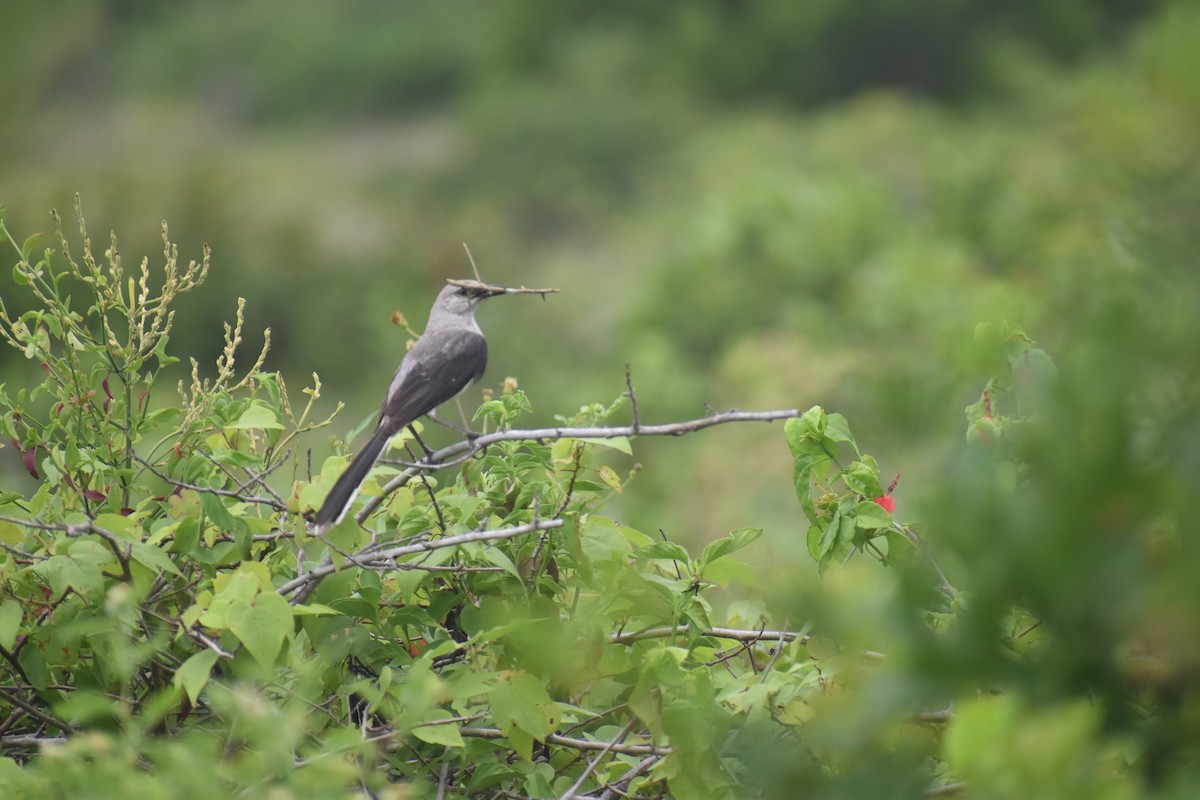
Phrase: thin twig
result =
(639, 768)
(380, 558)
(637, 420)
(80, 529)
(774, 655)
(442, 780)
(263, 501)
(34, 711)
(569, 794)
(30, 741)
(471, 258)
(945, 790)
(255, 479)
(577, 744)
(716, 633)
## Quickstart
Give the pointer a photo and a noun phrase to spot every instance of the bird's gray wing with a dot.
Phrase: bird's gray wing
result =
(435, 370)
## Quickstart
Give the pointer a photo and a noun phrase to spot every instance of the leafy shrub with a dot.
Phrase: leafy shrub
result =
(171, 628)
(484, 628)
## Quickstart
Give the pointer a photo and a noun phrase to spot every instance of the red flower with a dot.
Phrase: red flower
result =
(887, 503)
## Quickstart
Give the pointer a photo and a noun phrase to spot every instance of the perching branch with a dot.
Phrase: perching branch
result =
(459, 452)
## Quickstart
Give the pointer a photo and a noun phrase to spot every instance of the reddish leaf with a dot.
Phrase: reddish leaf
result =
(29, 458)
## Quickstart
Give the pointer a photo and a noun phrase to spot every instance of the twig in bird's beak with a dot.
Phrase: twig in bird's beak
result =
(480, 286)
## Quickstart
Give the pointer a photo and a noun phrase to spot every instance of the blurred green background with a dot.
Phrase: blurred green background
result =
(755, 205)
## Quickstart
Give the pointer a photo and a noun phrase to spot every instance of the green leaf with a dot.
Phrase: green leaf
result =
(802, 481)
(620, 443)
(838, 429)
(270, 382)
(10, 623)
(65, 572)
(497, 558)
(193, 674)
(119, 525)
(669, 550)
(28, 245)
(235, 458)
(735, 541)
(801, 431)
(187, 536)
(829, 536)
(724, 570)
(313, 610)
(261, 625)
(869, 515)
(862, 478)
(160, 352)
(537, 781)
(215, 509)
(813, 541)
(446, 735)
(521, 703)
(610, 478)
(11, 533)
(258, 416)
(152, 557)
(521, 743)
(33, 664)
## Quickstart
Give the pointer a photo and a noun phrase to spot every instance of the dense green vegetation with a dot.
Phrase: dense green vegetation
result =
(874, 208)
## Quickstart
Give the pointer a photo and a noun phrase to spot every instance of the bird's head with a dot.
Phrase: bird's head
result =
(461, 296)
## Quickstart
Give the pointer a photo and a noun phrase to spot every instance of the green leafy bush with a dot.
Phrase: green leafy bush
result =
(486, 627)
(171, 628)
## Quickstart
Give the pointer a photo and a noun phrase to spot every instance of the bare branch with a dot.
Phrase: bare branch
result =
(459, 452)
(372, 558)
(577, 744)
(639, 768)
(30, 741)
(80, 529)
(727, 633)
(12, 696)
(569, 794)
(637, 420)
(717, 633)
(774, 655)
(265, 501)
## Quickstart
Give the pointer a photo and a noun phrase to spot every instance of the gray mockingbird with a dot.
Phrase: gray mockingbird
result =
(450, 354)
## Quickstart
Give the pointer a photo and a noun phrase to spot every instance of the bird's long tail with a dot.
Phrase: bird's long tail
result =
(338, 501)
